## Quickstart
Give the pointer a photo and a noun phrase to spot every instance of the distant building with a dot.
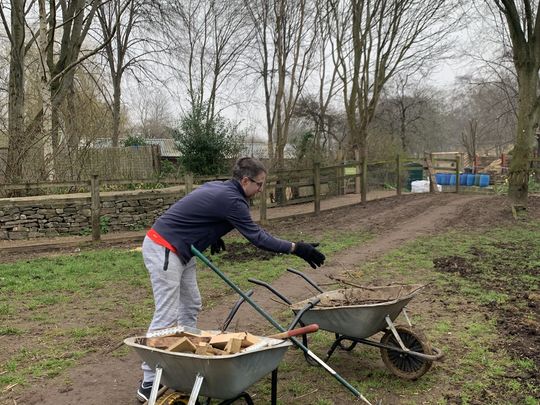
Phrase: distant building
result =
(259, 149)
(167, 146)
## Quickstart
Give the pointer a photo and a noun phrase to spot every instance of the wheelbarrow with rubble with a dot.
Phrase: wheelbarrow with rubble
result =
(355, 315)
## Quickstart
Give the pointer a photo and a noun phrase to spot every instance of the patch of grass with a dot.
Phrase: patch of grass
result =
(106, 295)
(9, 330)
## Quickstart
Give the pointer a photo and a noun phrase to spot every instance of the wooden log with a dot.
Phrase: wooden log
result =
(162, 342)
(250, 340)
(233, 345)
(182, 345)
(220, 341)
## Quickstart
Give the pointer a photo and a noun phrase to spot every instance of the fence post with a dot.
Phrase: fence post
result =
(339, 179)
(432, 187)
(458, 164)
(262, 210)
(358, 171)
(95, 208)
(363, 185)
(317, 187)
(188, 179)
(398, 174)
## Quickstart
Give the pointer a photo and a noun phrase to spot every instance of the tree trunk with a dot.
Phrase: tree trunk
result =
(116, 110)
(16, 143)
(518, 177)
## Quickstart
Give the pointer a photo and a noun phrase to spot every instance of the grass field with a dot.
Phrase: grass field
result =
(57, 310)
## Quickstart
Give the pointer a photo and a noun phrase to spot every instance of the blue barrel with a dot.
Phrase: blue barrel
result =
(470, 179)
(476, 179)
(438, 178)
(452, 181)
(463, 179)
(444, 179)
(484, 180)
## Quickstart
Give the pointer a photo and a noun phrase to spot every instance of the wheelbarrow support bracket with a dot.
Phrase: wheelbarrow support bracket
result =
(195, 390)
(395, 333)
(404, 311)
(155, 386)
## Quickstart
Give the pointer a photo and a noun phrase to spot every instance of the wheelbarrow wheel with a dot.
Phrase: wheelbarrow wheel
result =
(174, 398)
(405, 365)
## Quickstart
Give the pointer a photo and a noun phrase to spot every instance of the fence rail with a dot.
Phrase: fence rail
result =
(282, 188)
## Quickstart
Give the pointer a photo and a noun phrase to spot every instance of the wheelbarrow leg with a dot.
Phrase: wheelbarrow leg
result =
(155, 386)
(195, 390)
(395, 333)
(404, 310)
(274, 387)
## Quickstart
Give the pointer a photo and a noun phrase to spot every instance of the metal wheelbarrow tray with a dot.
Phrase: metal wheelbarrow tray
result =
(223, 377)
(355, 314)
(358, 320)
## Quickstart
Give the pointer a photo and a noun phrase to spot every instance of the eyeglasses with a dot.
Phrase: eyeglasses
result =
(258, 183)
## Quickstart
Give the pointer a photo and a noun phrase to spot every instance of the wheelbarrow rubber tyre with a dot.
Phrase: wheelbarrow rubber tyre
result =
(404, 365)
(174, 398)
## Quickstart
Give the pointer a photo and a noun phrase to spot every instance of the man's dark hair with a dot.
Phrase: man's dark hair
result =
(247, 167)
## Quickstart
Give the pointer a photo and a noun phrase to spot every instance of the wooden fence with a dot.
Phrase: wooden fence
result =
(284, 187)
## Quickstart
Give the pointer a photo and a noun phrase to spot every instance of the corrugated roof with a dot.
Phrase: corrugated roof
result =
(167, 146)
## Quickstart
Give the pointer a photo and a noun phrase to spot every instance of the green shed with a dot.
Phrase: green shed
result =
(415, 171)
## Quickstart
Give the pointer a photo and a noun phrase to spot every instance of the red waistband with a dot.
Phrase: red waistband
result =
(156, 237)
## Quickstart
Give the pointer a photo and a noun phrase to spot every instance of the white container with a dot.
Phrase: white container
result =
(422, 186)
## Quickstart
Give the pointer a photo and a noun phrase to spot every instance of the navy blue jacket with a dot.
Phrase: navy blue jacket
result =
(208, 213)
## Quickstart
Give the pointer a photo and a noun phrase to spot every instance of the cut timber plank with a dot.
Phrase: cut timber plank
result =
(220, 341)
(217, 352)
(250, 340)
(233, 346)
(204, 349)
(161, 342)
(182, 345)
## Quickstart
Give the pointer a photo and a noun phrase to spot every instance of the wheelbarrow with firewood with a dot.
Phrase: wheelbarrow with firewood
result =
(211, 364)
(356, 314)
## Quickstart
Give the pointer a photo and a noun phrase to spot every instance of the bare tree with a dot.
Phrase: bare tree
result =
(372, 41)
(211, 40)
(524, 32)
(15, 30)
(286, 37)
(62, 31)
(404, 106)
(134, 47)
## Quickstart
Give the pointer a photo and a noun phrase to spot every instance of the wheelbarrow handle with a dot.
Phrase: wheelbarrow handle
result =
(309, 280)
(276, 292)
(234, 310)
(267, 316)
(313, 327)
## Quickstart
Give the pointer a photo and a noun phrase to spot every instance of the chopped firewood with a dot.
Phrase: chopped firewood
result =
(203, 349)
(161, 342)
(182, 345)
(250, 340)
(200, 339)
(217, 352)
(233, 345)
(220, 341)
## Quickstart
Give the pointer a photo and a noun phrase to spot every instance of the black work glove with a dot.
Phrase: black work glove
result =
(308, 252)
(217, 246)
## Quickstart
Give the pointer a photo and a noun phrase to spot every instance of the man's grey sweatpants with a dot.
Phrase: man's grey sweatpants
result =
(176, 294)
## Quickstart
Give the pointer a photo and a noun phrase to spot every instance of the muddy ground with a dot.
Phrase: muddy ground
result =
(103, 378)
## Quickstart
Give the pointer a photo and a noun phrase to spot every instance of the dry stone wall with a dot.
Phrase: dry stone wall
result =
(48, 216)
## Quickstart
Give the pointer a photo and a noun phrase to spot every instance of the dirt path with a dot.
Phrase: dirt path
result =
(394, 221)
